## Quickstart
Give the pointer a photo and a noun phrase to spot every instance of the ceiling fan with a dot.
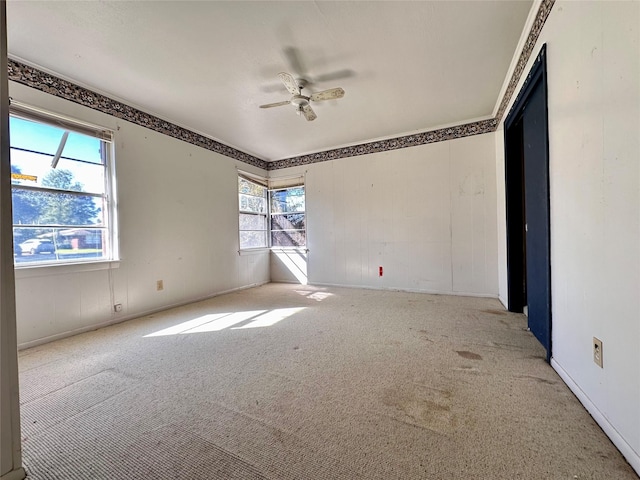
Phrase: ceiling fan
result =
(302, 102)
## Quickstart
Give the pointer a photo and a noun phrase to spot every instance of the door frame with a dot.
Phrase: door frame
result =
(514, 188)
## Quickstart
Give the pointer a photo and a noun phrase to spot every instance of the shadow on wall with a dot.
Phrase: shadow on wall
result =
(289, 265)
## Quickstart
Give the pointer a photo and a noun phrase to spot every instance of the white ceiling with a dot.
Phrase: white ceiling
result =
(207, 66)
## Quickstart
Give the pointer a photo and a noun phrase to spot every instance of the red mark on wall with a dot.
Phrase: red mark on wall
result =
(379, 271)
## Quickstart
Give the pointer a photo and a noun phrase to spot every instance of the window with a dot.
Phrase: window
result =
(253, 214)
(288, 226)
(278, 213)
(60, 183)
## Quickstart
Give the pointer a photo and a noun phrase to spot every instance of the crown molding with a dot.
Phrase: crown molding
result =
(413, 140)
(53, 85)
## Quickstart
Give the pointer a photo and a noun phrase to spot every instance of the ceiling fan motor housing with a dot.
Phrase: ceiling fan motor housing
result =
(300, 101)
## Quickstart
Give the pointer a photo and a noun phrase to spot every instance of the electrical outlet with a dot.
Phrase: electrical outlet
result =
(597, 351)
(159, 285)
(117, 308)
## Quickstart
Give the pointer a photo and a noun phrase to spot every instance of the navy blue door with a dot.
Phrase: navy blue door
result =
(536, 180)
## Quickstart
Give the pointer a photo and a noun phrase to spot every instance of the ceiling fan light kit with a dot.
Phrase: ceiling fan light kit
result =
(302, 102)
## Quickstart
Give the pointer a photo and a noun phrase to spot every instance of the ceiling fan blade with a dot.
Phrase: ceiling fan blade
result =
(293, 57)
(334, 76)
(330, 94)
(290, 83)
(308, 113)
(277, 104)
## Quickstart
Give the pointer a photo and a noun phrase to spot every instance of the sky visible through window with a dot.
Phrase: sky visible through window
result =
(45, 139)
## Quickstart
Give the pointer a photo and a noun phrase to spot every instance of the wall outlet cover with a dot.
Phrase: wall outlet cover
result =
(597, 351)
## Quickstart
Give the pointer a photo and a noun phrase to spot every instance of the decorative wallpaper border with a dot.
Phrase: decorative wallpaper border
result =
(413, 140)
(527, 50)
(45, 82)
(460, 131)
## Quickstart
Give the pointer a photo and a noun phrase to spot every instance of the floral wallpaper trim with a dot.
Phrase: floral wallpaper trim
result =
(465, 130)
(459, 131)
(45, 82)
(527, 50)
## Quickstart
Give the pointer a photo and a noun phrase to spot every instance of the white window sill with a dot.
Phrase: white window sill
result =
(29, 271)
(253, 251)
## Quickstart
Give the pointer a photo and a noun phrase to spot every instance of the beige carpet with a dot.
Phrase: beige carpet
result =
(291, 382)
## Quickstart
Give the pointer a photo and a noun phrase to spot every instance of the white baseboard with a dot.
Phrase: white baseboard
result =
(627, 450)
(503, 301)
(18, 474)
(409, 290)
(124, 318)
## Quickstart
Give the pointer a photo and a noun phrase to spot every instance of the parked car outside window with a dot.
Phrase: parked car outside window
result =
(36, 245)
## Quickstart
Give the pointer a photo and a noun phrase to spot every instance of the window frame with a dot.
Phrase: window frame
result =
(108, 212)
(261, 183)
(272, 214)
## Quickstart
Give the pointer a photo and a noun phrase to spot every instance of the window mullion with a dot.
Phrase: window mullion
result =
(31, 188)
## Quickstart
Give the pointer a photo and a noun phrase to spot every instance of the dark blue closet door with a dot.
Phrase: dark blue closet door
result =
(536, 178)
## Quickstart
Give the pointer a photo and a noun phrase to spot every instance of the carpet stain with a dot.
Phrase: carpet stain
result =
(424, 335)
(468, 355)
(429, 409)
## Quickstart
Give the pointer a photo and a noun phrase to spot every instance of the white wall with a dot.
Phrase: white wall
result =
(178, 221)
(289, 265)
(593, 57)
(425, 214)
